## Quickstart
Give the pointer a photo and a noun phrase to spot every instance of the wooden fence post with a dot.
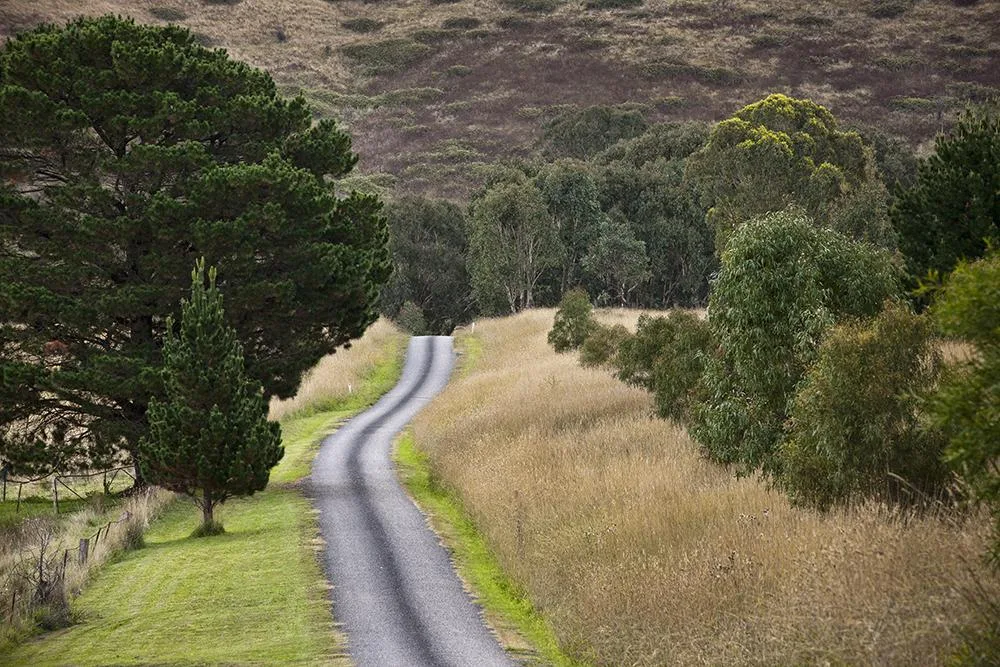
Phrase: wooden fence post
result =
(17, 510)
(84, 550)
(3, 473)
(55, 494)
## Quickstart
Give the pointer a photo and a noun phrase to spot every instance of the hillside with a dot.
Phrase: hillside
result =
(432, 88)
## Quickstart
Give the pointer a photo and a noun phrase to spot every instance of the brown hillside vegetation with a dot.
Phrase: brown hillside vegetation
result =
(640, 552)
(433, 88)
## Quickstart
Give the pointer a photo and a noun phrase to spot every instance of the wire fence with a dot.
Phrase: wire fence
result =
(35, 576)
(59, 480)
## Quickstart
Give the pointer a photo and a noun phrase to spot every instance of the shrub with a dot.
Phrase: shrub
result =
(601, 346)
(856, 430)
(573, 321)
(581, 133)
(388, 56)
(968, 404)
(888, 9)
(637, 355)
(461, 23)
(458, 70)
(782, 284)
(612, 4)
(666, 356)
(533, 6)
(362, 25)
(677, 371)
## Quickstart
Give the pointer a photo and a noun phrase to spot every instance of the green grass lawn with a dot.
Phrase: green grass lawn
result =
(253, 596)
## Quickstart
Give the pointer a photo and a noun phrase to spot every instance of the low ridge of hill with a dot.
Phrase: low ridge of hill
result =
(432, 88)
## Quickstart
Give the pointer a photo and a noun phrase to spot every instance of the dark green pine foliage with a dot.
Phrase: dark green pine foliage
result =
(126, 153)
(952, 212)
(210, 437)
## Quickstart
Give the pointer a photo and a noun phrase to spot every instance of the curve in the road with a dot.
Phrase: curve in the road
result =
(394, 589)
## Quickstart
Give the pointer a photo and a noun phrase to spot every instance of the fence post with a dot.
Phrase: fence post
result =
(17, 510)
(3, 474)
(55, 494)
(84, 550)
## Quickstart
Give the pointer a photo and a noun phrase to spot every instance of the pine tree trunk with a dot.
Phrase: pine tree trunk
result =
(207, 506)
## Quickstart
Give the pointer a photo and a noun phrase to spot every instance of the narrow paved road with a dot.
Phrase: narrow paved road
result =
(394, 589)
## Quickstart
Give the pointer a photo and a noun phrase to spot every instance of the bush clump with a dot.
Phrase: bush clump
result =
(612, 4)
(388, 56)
(967, 406)
(461, 23)
(602, 345)
(573, 321)
(666, 356)
(362, 25)
(677, 371)
(856, 429)
(782, 284)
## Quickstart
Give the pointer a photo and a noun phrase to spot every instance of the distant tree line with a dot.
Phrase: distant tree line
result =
(632, 212)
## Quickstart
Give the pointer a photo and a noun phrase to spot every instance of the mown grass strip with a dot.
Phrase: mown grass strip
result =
(522, 629)
(253, 596)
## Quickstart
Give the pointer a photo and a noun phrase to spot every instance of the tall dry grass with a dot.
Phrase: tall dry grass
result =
(337, 376)
(48, 547)
(640, 552)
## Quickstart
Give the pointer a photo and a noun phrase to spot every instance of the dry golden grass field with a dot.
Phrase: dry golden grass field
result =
(640, 552)
(433, 88)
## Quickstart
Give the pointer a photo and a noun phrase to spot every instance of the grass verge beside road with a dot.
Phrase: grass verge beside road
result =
(255, 595)
(522, 631)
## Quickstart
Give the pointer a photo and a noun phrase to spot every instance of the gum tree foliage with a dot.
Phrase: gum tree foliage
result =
(783, 283)
(782, 151)
(642, 182)
(429, 243)
(581, 133)
(856, 427)
(512, 242)
(573, 201)
(573, 321)
(617, 263)
(602, 344)
(127, 152)
(209, 437)
(666, 356)
(968, 404)
(952, 211)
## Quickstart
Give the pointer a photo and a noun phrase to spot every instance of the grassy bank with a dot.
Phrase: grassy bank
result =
(638, 551)
(255, 595)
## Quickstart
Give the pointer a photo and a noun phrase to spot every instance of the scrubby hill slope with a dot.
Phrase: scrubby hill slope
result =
(430, 88)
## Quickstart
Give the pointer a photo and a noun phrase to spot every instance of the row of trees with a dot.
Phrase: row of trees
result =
(637, 214)
(812, 367)
(128, 152)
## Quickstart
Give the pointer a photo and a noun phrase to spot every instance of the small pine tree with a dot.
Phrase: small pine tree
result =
(210, 439)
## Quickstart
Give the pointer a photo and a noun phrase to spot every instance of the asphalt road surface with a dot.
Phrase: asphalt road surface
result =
(394, 589)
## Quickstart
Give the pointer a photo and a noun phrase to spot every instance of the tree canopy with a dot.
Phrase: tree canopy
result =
(952, 212)
(429, 244)
(126, 152)
(782, 284)
(782, 151)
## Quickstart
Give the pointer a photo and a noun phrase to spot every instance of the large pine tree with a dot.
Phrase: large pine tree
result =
(210, 438)
(126, 153)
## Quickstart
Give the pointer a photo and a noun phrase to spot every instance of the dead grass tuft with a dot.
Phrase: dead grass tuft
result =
(640, 552)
